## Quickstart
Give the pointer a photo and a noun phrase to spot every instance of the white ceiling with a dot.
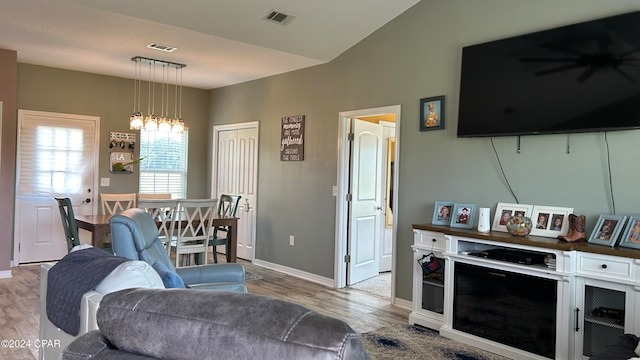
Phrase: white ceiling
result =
(222, 42)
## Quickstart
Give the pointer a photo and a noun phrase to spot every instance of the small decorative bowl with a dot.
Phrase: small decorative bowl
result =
(519, 225)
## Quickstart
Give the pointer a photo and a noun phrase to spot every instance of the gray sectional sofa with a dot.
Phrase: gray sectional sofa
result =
(192, 324)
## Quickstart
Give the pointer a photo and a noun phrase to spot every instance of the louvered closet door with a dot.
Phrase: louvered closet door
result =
(237, 167)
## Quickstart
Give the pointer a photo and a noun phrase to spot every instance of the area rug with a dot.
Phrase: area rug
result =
(403, 341)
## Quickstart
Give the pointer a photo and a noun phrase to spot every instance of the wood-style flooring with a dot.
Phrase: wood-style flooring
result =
(20, 304)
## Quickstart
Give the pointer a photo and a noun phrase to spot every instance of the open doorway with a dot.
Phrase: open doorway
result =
(348, 225)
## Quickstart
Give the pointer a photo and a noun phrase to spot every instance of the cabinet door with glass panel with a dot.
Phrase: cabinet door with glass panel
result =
(604, 311)
(428, 279)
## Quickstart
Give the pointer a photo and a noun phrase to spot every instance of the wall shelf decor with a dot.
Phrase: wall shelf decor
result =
(122, 140)
(121, 162)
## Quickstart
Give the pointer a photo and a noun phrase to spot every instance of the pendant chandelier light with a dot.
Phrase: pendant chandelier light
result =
(152, 122)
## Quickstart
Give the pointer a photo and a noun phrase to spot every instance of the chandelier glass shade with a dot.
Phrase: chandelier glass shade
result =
(152, 122)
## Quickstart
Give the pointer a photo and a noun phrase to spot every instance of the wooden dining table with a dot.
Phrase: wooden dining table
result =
(99, 227)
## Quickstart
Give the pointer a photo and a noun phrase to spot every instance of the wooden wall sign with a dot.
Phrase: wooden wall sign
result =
(292, 138)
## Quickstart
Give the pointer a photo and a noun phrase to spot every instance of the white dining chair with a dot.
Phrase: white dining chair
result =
(194, 222)
(115, 203)
(164, 213)
(153, 196)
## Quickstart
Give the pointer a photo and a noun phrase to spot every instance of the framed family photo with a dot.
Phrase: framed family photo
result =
(504, 211)
(432, 113)
(442, 213)
(463, 216)
(550, 221)
(607, 230)
(631, 235)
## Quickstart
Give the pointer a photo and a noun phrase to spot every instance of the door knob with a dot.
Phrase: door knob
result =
(378, 207)
(86, 201)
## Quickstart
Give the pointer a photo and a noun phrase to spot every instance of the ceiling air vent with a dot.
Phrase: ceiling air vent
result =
(164, 48)
(279, 17)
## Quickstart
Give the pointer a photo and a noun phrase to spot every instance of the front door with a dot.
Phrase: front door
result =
(56, 157)
(237, 174)
(366, 203)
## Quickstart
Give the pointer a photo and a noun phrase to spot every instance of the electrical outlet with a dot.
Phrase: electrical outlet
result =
(291, 240)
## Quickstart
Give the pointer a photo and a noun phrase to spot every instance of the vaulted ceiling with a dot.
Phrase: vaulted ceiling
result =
(221, 42)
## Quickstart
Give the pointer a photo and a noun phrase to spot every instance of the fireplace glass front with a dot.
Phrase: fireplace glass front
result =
(513, 309)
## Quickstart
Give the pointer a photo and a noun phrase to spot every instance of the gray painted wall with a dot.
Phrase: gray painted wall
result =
(111, 98)
(418, 55)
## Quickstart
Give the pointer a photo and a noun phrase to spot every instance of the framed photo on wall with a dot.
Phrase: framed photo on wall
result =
(631, 236)
(550, 221)
(442, 213)
(463, 216)
(432, 113)
(504, 211)
(607, 230)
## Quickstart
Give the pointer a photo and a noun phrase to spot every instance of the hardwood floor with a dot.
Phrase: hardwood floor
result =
(20, 313)
(20, 304)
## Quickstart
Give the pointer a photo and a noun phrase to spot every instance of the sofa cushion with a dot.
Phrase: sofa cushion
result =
(193, 324)
(169, 278)
(131, 274)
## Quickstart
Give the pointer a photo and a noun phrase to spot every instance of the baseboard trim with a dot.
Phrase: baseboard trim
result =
(404, 304)
(296, 273)
(5, 274)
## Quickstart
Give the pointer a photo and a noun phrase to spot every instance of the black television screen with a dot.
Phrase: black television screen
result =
(577, 78)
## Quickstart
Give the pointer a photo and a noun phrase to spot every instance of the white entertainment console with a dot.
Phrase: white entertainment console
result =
(596, 290)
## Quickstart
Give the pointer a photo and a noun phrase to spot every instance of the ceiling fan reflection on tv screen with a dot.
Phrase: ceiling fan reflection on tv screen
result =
(603, 58)
(583, 77)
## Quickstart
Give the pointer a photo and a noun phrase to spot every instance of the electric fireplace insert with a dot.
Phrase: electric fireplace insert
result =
(514, 309)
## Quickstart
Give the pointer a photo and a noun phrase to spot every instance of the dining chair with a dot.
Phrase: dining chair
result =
(70, 227)
(115, 203)
(153, 196)
(227, 206)
(68, 222)
(194, 225)
(163, 211)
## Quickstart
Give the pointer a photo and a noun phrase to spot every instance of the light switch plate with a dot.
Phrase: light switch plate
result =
(105, 181)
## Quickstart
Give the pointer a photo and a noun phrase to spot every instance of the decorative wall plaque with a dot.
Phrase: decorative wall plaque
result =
(292, 138)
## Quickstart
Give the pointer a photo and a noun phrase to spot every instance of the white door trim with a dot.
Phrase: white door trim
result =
(96, 169)
(341, 230)
(214, 151)
(214, 165)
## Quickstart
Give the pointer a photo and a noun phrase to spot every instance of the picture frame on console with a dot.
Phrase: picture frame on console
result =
(631, 236)
(463, 216)
(432, 113)
(607, 230)
(442, 213)
(550, 221)
(505, 210)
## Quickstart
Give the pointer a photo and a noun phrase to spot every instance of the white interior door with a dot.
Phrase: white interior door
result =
(57, 156)
(236, 172)
(386, 234)
(366, 203)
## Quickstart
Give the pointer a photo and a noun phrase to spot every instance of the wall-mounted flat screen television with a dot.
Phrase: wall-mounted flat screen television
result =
(577, 78)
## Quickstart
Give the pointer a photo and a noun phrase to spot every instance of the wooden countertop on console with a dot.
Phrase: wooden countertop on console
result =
(537, 241)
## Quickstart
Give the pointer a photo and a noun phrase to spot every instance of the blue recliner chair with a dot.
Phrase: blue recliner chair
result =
(134, 236)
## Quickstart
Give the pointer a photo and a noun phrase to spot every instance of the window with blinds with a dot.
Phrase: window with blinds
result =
(55, 158)
(164, 169)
